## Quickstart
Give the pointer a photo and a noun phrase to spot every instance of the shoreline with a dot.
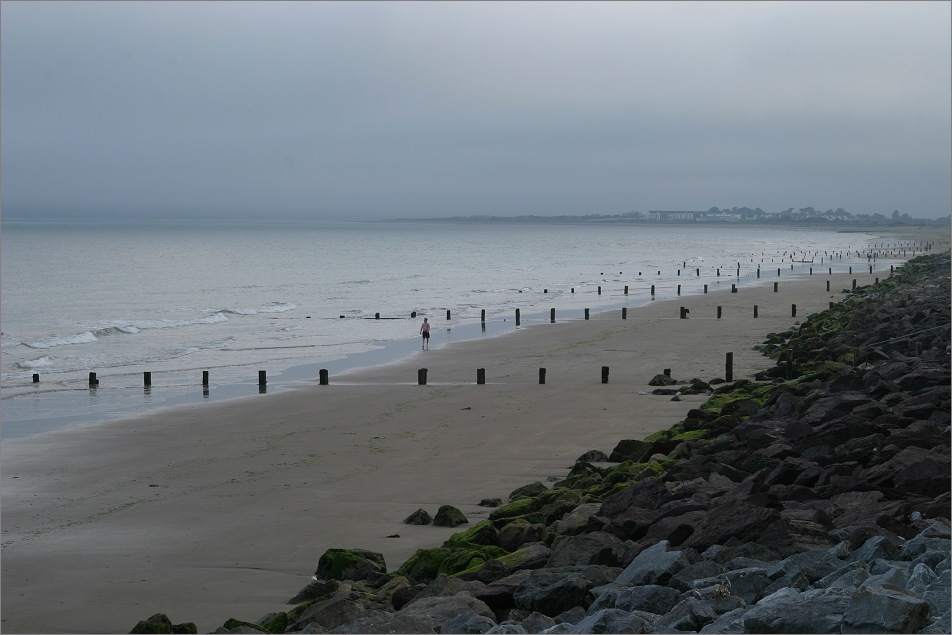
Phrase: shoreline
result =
(241, 499)
(122, 396)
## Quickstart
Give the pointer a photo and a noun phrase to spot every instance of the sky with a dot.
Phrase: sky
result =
(364, 110)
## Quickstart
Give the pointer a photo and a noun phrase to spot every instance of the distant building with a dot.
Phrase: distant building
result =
(672, 216)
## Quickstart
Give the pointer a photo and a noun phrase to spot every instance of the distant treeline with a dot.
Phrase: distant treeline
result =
(743, 215)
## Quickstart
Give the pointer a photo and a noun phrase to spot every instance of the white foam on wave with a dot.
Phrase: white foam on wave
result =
(86, 337)
(40, 362)
(274, 307)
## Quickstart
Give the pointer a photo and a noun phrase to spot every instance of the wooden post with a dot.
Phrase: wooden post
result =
(376, 316)
(599, 290)
(698, 272)
(480, 376)
(92, 379)
(482, 316)
(421, 377)
(624, 313)
(518, 321)
(679, 289)
(718, 272)
(871, 269)
(793, 310)
(36, 378)
(652, 290)
(758, 272)
(204, 378)
(705, 288)
(262, 377)
(827, 285)
(733, 288)
(604, 374)
(778, 272)
(413, 314)
(729, 367)
(684, 313)
(626, 289)
(854, 284)
(323, 377)
(586, 314)
(718, 313)
(755, 311)
(552, 315)
(775, 287)
(541, 375)
(447, 314)
(811, 271)
(147, 378)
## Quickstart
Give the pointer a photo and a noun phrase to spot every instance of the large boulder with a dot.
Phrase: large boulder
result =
(160, 623)
(351, 564)
(654, 565)
(552, 591)
(596, 547)
(884, 610)
(449, 516)
(790, 611)
(611, 621)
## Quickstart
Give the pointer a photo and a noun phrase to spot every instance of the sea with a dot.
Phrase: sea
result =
(287, 300)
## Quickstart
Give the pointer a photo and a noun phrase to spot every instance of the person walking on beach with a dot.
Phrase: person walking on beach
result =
(425, 332)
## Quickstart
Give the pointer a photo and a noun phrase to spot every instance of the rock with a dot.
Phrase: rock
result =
(592, 548)
(651, 598)
(527, 491)
(343, 607)
(593, 456)
(449, 516)
(419, 517)
(654, 565)
(516, 534)
(314, 590)
(611, 621)
(748, 583)
(684, 579)
(875, 547)
(160, 623)
(662, 380)
(482, 533)
(813, 564)
(690, 615)
(351, 564)
(790, 611)
(884, 610)
(575, 522)
(490, 502)
(732, 521)
(553, 591)
(629, 450)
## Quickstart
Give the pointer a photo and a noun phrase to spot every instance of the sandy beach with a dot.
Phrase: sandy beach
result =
(223, 510)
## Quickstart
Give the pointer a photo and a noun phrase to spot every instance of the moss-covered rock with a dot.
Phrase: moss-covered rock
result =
(482, 533)
(160, 623)
(527, 491)
(232, 624)
(351, 564)
(515, 509)
(449, 516)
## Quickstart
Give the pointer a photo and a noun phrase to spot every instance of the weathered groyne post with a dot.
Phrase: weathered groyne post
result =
(421, 377)
(729, 367)
(323, 377)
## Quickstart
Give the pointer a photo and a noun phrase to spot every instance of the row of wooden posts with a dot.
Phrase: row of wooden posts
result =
(323, 377)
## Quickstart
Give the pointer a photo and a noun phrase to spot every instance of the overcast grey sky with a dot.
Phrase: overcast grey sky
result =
(370, 110)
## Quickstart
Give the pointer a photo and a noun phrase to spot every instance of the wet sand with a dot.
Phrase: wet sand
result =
(222, 510)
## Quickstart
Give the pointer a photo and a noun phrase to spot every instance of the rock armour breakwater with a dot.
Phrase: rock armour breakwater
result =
(816, 499)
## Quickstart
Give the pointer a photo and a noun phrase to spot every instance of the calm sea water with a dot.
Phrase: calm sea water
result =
(123, 299)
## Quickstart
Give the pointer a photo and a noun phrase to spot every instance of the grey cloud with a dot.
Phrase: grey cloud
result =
(403, 109)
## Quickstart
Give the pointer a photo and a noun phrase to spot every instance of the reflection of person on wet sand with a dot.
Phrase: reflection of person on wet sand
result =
(425, 331)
